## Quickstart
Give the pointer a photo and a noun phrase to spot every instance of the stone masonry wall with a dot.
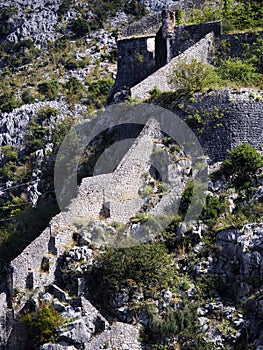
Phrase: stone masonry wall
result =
(145, 51)
(187, 35)
(117, 191)
(160, 79)
(136, 60)
(120, 189)
(231, 117)
(146, 26)
(29, 261)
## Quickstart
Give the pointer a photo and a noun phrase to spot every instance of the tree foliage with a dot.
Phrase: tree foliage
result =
(242, 164)
(146, 265)
(238, 71)
(80, 27)
(49, 89)
(192, 77)
(41, 325)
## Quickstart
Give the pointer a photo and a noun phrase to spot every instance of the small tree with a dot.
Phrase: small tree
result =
(80, 27)
(41, 325)
(49, 89)
(147, 265)
(242, 164)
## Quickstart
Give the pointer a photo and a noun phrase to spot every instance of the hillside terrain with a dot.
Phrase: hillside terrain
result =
(68, 283)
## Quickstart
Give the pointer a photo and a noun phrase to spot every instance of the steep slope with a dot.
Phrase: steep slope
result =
(196, 286)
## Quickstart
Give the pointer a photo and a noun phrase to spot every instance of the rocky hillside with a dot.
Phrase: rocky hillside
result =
(192, 286)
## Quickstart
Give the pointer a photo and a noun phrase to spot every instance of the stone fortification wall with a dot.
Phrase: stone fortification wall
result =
(91, 197)
(188, 35)
(231, 117)
(146, 26)
(201, 51)
(116, 193)
(115, 196)
(136, 60)
(139, 57)
(28, 263)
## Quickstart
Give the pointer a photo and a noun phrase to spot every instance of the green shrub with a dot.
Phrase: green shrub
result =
(73, 86)
(42, 324)
(23, 44)
(192, 77)
(45, 113)
(254, 54)
(7, 171)
(8, 154)
(28, 96)
(186, 198)
(98, 92)
(238, 71)
(234, 14)
(36, 137)
(8, 102)
(213, 208)
(49, 89)
(100, 88)
(172, 321)
(243, 14)
(155, 92)
(71, 64)
(80, 27)
(60, 130)
(6, 13)
(146, 265)
(8, 161)
(241, 165)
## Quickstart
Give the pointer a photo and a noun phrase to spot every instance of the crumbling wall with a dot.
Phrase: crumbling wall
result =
(201, 51)
(119, 189)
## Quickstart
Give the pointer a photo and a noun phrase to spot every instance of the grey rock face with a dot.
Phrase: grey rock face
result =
(78, 332)
(34, 19)
(14, 124)
(61, 346)
(239, 265)
(57, 292)
(120, 336)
